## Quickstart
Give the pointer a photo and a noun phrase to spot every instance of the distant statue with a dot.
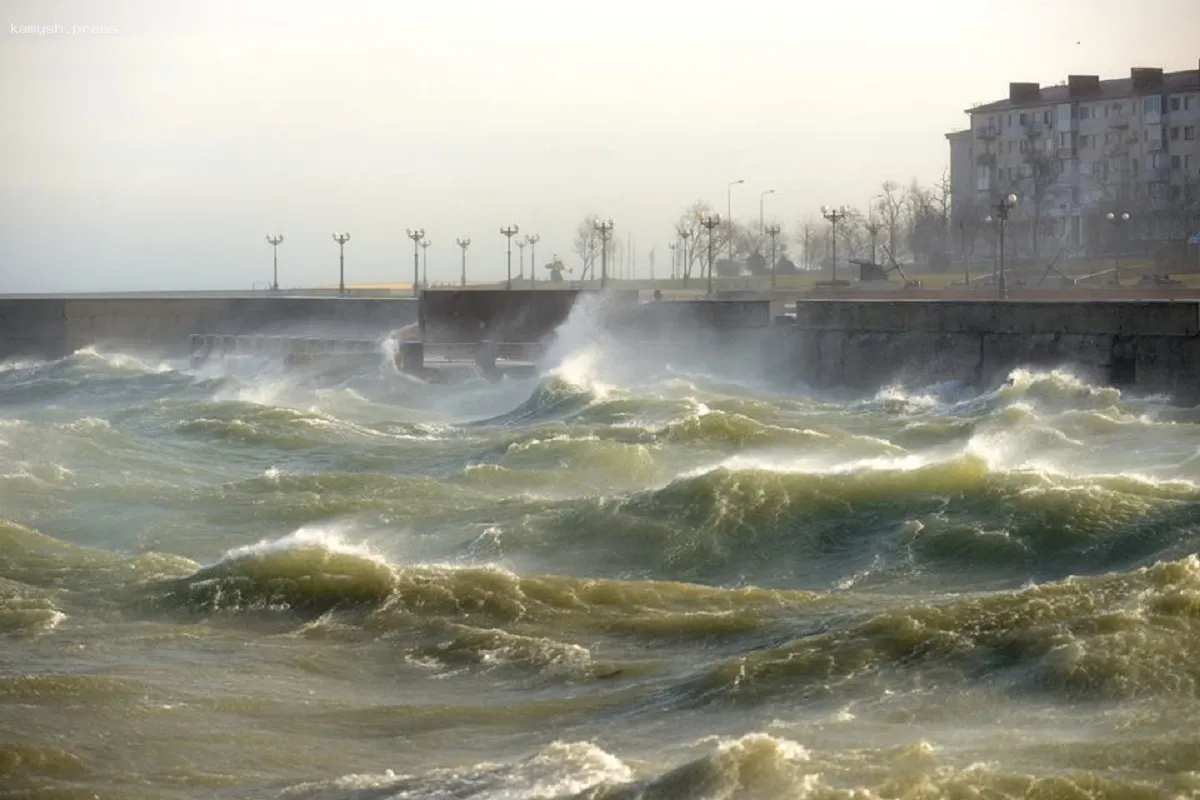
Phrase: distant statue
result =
(557, 268)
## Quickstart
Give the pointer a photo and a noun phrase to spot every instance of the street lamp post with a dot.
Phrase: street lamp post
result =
(416, 235)
(275, 239)
(761, 196)
(674, 248)
(425, 262)
(464, 244)
(835, 215)
(521, 258)
(684, 262)
(873, 226)
(1006, 204)
(1118, 221)
(341, 239)
(532, 239)
(710, 221)
(773, 232)
(729, 216)
(509, 233)
(605, 229)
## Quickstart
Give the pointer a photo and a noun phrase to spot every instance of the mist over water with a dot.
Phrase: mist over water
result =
(631, 577)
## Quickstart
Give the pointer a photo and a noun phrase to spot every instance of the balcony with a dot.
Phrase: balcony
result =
(1066, 152)
(986, 159)
(1158, 175)
(987, 132)
(1118, 120)
(1033, 127)
(1155, 145)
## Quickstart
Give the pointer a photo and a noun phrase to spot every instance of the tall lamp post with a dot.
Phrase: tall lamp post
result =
(532, 240)
(425, 262)
(873, 227)
(341, 239)
(773, 232)
(1006, 204)
(729, 217)
(684, 254)
(761, 196)
(416, 235)
(674, 248)
(464, 244)
(605, 229)
(521, 243)
(509, 233)
(835, 215)
(710, 221)
(1118, 221)
(275, 239)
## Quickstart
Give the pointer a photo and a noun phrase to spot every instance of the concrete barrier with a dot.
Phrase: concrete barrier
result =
(33, 328)
(1154, 346)
(52, 328)
(516, 315)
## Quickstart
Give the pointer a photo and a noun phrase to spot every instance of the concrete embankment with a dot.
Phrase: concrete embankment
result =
(54, 327)
(1153, 346)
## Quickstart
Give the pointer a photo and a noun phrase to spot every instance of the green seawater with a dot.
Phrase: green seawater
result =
(616, 580)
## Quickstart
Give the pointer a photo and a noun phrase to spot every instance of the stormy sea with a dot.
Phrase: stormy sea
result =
(624, 578)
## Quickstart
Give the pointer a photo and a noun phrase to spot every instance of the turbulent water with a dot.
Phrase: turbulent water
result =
(619, 580)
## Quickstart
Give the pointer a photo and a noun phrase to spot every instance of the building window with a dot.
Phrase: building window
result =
(1135, 165)
(1174, 103)
(1175, 134)
(1152, 105)
(1187, 103)
(1023, 117)
(1046, 117)
(1189, 133)
(1024, 145)
(1187, 163)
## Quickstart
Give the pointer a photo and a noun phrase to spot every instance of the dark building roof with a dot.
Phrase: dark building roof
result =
(1089, 88)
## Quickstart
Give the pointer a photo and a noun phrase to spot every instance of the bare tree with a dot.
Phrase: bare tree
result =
(942, 205)
(697, 240)
(810, 242)
(890, 206)
(587, 244)
(1039, 173)
(1181, 217)
(967, 224)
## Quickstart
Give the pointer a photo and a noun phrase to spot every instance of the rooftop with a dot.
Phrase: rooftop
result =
(1089, 88)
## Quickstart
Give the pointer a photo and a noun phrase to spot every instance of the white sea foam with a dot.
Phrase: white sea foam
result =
(332, 539)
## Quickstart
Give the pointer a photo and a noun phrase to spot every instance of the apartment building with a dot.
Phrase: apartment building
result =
(1075, 151)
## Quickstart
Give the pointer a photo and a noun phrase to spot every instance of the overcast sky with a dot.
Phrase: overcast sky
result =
(159, 153)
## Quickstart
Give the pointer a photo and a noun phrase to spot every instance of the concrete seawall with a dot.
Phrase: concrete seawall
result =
(860, 344)
(52, 328)
(1153, 346)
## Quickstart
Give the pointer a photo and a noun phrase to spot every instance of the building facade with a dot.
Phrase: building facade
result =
(1074, 152)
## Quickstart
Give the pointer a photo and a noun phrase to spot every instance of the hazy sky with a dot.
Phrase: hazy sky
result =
(158, 154)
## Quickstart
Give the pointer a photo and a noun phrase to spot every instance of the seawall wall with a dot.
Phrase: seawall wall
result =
(1153, 346)
(53, 328)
